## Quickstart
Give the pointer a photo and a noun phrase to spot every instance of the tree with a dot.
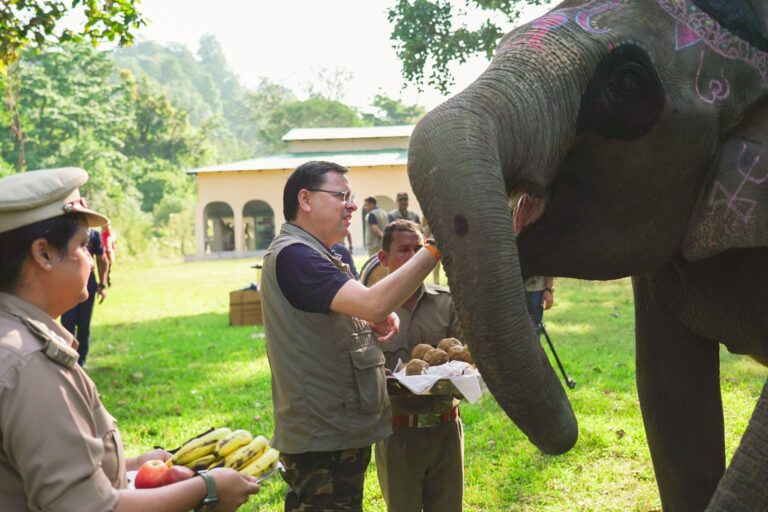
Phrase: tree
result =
(424, 35)
(36, 24)
(392, 112)
(317, 112)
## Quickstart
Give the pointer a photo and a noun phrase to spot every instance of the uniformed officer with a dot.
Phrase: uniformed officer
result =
(328, 383)
(60, 450)
(421, 465)
(402, 212)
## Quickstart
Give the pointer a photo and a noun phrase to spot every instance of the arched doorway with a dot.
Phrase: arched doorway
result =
(219, 221)
(385, 203)
(258, 225)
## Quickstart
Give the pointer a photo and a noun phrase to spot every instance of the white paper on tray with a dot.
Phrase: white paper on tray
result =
(466, 379)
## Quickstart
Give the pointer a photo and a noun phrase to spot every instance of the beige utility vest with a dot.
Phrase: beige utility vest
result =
(328, 385)
(371, 241)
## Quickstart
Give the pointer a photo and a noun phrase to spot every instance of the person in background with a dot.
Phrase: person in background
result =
(421, 465)
(375, 220)
(60, 449)
(78, 319)
(328, 384)
(539, 290)
(539, 296)
(109, 241)
(402, 212)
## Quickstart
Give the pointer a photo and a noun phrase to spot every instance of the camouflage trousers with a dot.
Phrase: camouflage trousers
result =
(325, 481)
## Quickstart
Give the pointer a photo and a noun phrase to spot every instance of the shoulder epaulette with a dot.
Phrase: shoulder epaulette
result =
(55, 348)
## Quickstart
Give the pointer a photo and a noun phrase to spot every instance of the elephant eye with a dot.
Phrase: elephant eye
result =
(625, 98)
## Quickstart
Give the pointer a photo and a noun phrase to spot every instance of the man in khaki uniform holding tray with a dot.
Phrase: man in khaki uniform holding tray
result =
(422, 463)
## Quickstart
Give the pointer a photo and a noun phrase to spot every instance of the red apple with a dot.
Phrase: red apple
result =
(177, 474)
(151, 474)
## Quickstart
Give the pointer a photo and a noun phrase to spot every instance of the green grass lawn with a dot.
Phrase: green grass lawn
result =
(168, 367)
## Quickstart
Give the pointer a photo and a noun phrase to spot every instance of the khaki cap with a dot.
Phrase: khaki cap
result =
(402, 195)
(32, 196)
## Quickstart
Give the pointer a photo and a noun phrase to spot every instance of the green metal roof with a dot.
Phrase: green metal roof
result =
(362, 132)
(367, 158)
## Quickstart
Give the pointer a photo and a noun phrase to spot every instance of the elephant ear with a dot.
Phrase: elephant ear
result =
(732, 211)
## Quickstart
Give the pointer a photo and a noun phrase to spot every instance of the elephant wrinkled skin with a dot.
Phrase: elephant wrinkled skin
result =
(637, 129)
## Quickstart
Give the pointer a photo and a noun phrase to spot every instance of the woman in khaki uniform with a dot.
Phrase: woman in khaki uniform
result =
(60, 449)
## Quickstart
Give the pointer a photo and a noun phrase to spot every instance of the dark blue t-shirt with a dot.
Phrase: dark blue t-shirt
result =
(307, 279)
(346, 257)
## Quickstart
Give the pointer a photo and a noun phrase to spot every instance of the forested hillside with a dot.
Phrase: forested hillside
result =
(138, 117)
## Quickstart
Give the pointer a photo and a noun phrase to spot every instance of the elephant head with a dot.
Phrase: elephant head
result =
(634, 129)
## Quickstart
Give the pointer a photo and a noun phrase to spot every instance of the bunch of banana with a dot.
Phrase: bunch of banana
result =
(232, 442)
(199, 447)
(261, 464)
(245, 454)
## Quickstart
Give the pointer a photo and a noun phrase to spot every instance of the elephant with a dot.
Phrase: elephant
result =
(632, 134)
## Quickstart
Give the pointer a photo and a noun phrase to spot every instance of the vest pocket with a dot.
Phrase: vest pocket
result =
(368, 364)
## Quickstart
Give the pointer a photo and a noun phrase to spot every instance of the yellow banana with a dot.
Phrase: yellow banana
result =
(240, 456)
(196, 448)
(262, 464)
(232, 442)
(203, 462)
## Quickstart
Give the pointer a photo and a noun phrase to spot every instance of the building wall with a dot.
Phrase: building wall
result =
(299, 146)
(238, 188)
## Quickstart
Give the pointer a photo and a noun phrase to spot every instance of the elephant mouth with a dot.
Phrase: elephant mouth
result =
(527, 211)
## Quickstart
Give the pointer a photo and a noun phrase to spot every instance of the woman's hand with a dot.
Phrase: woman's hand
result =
(233, 488)
(133, 464)
(388, 328)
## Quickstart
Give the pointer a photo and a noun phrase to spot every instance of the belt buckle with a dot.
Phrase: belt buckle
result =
(426, 420)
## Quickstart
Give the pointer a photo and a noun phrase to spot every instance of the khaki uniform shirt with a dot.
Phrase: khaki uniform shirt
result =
(328, 384)
(432, 319)
(396, 214)
(60, 449)
(372, 242)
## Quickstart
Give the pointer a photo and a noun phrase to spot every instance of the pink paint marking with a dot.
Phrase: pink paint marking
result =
(719, 90)
(684, 36)
(740, 206)
(584, 17)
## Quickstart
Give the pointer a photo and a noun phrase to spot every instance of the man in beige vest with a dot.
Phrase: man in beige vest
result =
(375, 220)
(322, 327)
(421, 465)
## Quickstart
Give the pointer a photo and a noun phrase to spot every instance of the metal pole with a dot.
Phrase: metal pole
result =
(569, 382)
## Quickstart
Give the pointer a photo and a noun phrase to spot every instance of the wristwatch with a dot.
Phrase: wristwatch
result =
(211, 498)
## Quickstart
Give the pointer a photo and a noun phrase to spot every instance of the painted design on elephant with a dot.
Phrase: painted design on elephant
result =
(717, 38)
(555, 19)
(741, 207)
(584, 18)
(540, 28)
(718, 90)
(684, 36)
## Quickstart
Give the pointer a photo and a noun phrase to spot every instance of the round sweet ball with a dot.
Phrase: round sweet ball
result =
(420, 349)
(460, 354)
(416, 367)
(446, 343)
(436, 357)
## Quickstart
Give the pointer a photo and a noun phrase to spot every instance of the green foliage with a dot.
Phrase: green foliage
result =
(35, 23)
(316, 112)
(393, 112)
(168, 324)
(426, 37)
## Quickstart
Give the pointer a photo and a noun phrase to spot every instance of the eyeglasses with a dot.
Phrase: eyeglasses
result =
(346, 197)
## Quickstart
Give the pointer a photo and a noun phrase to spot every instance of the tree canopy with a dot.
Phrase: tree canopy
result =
(25, 23)
(428, 35)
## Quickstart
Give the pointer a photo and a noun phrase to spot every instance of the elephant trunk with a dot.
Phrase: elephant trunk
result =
(456, 168)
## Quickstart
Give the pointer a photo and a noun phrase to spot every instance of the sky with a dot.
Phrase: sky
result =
(292, 41)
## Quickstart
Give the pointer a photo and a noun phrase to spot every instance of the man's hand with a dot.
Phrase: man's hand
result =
(102, 292)
(132, 464)
(548, 298)
(388, 328)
